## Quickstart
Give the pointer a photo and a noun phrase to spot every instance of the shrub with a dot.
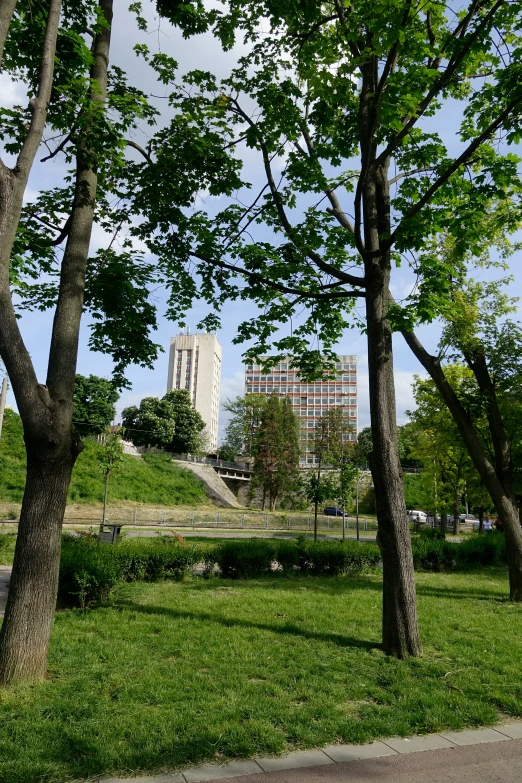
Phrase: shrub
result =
(88, 571)
(333, 558)
(156, 559)
(244, 559)
(435, 554)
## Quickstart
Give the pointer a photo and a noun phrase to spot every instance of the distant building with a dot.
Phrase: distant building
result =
(310, 401)
(195, 365)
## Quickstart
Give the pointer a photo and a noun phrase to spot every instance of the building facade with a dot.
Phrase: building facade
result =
(195, 365)
(310, 401)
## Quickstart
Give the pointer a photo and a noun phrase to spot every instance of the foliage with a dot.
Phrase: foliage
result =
(171, 423)
(152, 478)
(295, 95)
(111, 454)
(7, 545)
(243, 425)
(257, 668)
(436, 554)
(448, 472)
(89, 570)
(93, 404)
(12, 458)
(276, 450)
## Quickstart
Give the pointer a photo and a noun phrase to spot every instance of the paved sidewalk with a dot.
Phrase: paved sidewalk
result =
(474, 756)
(5, 576)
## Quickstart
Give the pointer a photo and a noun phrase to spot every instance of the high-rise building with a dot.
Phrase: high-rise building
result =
(195, 365)
(310, 401)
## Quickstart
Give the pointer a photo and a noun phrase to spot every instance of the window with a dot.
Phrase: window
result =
(353, 366)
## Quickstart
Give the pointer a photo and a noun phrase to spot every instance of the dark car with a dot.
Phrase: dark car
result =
(334, 511)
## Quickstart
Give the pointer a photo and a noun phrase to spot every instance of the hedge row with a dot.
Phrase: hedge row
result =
(89, 570)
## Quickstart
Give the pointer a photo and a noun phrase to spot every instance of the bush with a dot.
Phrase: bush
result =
(88, 571)
(156, 559)
(244, 559)
(433, 553)
(253, 558)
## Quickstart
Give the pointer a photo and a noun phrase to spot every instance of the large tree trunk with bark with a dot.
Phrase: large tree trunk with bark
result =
(400, 633)
(504, 503)
(26, 629)
(46, 411)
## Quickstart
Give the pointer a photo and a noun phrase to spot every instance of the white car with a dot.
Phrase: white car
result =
(417, 516)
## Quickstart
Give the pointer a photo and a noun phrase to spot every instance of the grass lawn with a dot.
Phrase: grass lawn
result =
(171, 674)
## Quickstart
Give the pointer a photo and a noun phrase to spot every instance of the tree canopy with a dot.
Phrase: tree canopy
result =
(93, 404)
(170, 423)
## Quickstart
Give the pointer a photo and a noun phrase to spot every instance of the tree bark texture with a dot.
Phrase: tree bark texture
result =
(400, 631)
(504, 504)
(400, 634)
(26, 629)
(46, 413)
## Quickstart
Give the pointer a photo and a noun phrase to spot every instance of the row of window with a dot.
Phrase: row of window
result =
(283, 367)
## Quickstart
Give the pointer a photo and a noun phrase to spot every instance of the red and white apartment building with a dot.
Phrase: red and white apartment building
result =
(310, 401)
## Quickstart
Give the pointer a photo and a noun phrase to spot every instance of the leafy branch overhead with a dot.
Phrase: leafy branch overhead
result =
(329, 101)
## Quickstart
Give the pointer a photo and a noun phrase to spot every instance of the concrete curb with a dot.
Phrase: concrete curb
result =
(333, 754)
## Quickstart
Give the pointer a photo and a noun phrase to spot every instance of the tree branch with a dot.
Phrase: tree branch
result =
(7, 9)
(391, 60)
(59, 148)
(462, 159)
(41, 102)
(136, 146)
(409, 174)
(343, 277)
(265, 281)
(444, 79)
(67, 318)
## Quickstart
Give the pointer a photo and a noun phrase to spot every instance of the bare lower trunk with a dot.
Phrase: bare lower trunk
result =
(31, 602)
(456, 518)
(481, 519)
(444, 522)
(400, 633)
(315, 520)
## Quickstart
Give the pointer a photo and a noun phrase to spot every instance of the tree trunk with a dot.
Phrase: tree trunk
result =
(315, 520)
(444, 522)
(400, 633)
(481, 519)
(504, 503)
(31, 602)
(105, 493)
(456, 517)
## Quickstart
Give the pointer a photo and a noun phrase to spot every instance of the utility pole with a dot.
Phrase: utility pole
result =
(3, 395)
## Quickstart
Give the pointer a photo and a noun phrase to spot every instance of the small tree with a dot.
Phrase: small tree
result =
(242, 427)
(276, 450)
(93, 404)
(110, 459)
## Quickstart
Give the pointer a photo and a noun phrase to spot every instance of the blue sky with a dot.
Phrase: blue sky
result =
(204, 53)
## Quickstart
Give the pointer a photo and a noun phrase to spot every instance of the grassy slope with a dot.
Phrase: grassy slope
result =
(153, 479)
(175, 673)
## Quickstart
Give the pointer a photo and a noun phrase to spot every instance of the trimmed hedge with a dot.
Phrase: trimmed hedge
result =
(89, 570)
(432, 553)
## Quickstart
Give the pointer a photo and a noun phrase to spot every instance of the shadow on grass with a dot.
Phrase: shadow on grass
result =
(234, 622)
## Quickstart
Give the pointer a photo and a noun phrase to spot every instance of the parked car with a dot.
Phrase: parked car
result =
(420, 517)
(334, 511)
(465, 519)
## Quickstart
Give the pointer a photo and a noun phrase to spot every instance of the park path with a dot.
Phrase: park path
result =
(5, 576)
(475, 756)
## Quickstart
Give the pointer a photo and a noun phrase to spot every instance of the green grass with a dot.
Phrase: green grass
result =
(152, 479)
(171, 674)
